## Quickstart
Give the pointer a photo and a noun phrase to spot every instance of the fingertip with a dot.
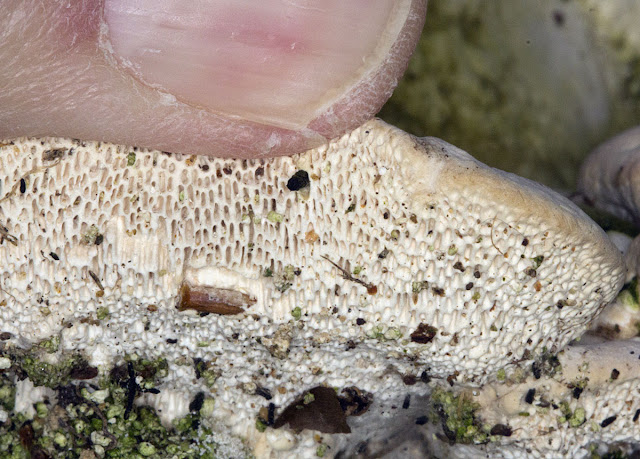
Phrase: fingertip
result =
(293, 66)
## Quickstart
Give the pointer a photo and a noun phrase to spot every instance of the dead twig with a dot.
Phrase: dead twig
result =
(4, 234)
(371, 289)
(96, 279)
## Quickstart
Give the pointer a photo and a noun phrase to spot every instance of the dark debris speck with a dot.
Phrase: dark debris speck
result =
(264, 392)
(409, 380)
(577, 392)
(608, 421)
(502, 430)
(423, 334)
(298, 181)
(531, 393)
(422, 420)
(196, 404)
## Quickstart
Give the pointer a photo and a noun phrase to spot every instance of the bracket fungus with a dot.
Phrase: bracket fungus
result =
(609, 181)
(424, 264)
(608, 177)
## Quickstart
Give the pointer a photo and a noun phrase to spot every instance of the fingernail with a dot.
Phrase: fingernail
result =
(270, 61)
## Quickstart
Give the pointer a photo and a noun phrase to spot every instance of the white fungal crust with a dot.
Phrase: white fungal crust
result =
(407, 245)
(592, 404)
(608, 177)
(621, 318)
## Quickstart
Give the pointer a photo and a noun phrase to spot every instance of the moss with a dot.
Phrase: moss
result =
(131, 159)
(546, 364)
(261, 426)
(457, 415)
(537, 261)
(51, 344)
(321, 450)
(46, 374)
(629, 295)
(417, 287)
(100, 420)
(275, 217)
(578, 417)
(477, 83)
(102, 313)
(91, 235)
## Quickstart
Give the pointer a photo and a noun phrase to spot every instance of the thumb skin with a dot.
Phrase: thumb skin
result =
(216, 77)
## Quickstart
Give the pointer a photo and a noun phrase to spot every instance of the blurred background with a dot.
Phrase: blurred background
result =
(526, 86)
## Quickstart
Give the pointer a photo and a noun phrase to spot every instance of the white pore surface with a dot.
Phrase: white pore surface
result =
(509, 266)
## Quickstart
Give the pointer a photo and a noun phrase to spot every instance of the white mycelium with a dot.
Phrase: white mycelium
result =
(402, 256)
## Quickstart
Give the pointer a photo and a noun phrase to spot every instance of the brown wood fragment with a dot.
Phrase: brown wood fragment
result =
(213, 300)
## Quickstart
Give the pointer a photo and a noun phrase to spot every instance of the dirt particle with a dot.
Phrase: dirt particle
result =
(409, 380)
(422, 420)
(355, 401)
(423, 334)
(577, 392)
(264, 392)
(528, 398)
(82, 370)
(502, 430)
(298, 181)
